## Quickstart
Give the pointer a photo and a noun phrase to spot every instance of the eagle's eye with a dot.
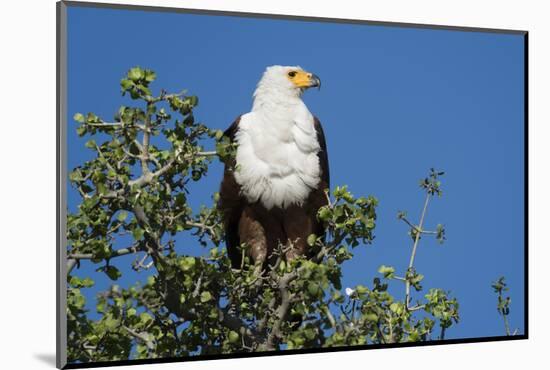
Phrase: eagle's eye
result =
(292, 73)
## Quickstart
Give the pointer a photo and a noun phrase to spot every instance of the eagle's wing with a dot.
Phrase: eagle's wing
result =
(317, 197)
(231, 203)
(323, 154)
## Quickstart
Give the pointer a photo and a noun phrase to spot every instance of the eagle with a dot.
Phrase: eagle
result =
(274, 186)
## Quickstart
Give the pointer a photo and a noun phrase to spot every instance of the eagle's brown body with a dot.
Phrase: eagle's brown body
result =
(262, 229)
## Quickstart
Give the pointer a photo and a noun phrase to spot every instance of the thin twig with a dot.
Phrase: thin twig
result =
(413, 253)
(506, 324)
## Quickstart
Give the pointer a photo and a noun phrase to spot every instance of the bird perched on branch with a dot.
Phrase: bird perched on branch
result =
(272, 189)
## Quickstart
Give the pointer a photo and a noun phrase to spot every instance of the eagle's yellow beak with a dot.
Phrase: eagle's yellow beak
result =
(303, 79)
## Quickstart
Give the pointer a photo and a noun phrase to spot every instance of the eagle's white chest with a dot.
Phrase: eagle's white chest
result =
(277, 162)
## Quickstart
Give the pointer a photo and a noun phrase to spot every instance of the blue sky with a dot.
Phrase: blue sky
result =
(395, 102)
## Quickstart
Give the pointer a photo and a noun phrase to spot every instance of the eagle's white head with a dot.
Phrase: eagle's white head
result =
(282, 84)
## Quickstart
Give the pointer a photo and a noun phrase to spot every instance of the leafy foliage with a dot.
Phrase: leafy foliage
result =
(137, 187)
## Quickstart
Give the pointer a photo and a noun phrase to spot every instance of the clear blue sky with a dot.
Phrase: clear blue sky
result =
(395, 102)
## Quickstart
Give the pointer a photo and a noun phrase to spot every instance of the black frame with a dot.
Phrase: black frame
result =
(61, 190)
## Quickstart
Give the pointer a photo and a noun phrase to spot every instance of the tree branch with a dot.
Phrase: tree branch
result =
(145, 144)
(144, 337)
(330, 317)
(281, 313)
(73, 258)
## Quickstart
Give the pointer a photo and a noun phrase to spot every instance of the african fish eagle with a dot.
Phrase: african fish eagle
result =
(272, 189)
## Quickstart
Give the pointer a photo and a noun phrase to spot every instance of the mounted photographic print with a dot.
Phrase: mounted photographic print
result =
(234, 184)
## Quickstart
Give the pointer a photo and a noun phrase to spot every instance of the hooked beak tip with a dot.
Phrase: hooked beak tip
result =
(315, 81)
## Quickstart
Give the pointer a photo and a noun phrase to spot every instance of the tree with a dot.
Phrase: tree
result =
(137, 185)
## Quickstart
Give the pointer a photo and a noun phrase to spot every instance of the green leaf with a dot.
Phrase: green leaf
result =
(87, 283)
(324, 213)
(100, 307)
(145, 90)
(76, 176)
(79, 117)
(135, 74)
(112, 272)
(311, 239)
(90, 144)
(371, 317)
(150, 76)
(205, 297)
(122, 216)
(193, 101)
(145, 318)
(233, 337)
(314, 289)
(111, 174)
(110, 322)
(387, 271)
(138, 233)
(75, 281)
(126, 84)
(187, 263)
